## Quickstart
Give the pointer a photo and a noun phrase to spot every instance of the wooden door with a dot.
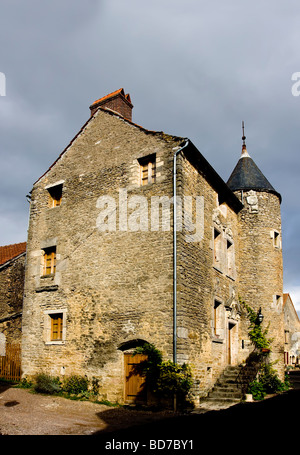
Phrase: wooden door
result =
(230, 327)
(135, 387)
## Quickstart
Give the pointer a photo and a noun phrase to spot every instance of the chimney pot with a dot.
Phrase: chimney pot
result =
(116, 101)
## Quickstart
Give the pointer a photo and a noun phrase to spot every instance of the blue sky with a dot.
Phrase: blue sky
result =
(193, 68)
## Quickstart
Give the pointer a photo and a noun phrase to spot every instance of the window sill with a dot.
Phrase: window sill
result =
(216, 339)
(55, 342)
(50, 207)
(50, 288)
(147, 185)
(231, 277)
(50, 275)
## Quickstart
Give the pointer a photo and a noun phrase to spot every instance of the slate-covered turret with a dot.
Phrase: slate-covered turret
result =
(247, 176)
(260, 252)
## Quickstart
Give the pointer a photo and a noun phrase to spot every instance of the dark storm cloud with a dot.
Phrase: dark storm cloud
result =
(193, 68)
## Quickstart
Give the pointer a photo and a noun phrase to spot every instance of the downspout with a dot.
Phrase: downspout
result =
(175, 253)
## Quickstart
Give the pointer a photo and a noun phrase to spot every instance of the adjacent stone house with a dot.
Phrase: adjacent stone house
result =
(12, 271)
(291, 332)
(134, 237)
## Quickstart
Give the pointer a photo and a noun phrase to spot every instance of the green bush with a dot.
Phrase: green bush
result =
(269, 379)
(25, 384)
(95, 386)
(257, 389)
(267, 382)
(44, 383)
(164, 378)
(174, 379)
(75, 384)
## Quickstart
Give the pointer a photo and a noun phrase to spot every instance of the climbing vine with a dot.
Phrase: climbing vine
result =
(257, 335)
(267, 380)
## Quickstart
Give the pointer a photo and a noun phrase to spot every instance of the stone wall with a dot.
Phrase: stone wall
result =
(260, 265)
(11, 299)
(291, 332)
(113, 286)
(203, 281)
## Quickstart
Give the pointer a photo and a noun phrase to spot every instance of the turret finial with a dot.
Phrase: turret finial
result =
(244, 149)
(244, 137)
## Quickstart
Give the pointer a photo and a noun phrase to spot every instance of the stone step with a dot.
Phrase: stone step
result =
(231, 374)
(228, 380)
(223, 400)
(221, 395)
(227, 388)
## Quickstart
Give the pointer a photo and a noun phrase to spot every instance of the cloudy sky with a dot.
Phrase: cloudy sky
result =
(193, 68)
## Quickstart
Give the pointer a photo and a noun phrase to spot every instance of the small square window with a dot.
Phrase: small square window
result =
(147, 170)
(49, 261)
(55, 195)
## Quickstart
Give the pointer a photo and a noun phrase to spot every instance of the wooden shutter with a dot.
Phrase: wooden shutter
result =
(148, 170)
(56, 326)
(135, 390)
(50, 261)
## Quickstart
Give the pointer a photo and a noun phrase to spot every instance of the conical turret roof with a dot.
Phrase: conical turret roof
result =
(247, 176)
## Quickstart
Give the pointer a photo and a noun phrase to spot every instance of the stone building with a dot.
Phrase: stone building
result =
(12, 271)
(291, 332)
(134, 237)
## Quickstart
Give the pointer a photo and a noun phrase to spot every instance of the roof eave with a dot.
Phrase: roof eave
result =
(213, 178)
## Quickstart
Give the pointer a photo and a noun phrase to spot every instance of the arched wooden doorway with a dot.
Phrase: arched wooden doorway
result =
(134, 384)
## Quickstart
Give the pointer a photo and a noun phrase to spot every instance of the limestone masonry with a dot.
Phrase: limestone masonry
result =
(100, 256)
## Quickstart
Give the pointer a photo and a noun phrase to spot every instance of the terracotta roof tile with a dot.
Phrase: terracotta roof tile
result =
(110, 95)
(9, 252)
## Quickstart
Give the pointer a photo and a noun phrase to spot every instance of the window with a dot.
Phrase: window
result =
(217, 248)
(55, 195)
(286, 336)
(147, 170)
(217, 319)
(56, 327)
(277, 302)
(49, 262)
(276, 239)
(230, 259)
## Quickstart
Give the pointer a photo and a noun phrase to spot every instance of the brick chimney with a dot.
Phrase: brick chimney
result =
(117, 102)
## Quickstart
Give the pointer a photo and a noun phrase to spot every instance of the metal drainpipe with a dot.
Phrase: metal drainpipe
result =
(175, 254)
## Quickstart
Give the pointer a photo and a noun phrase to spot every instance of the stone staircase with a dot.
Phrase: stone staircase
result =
(229, 387)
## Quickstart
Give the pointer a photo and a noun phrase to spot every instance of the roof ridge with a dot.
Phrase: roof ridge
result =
(110, 112)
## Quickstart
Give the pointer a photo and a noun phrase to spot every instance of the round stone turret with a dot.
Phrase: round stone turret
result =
(260, 253)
